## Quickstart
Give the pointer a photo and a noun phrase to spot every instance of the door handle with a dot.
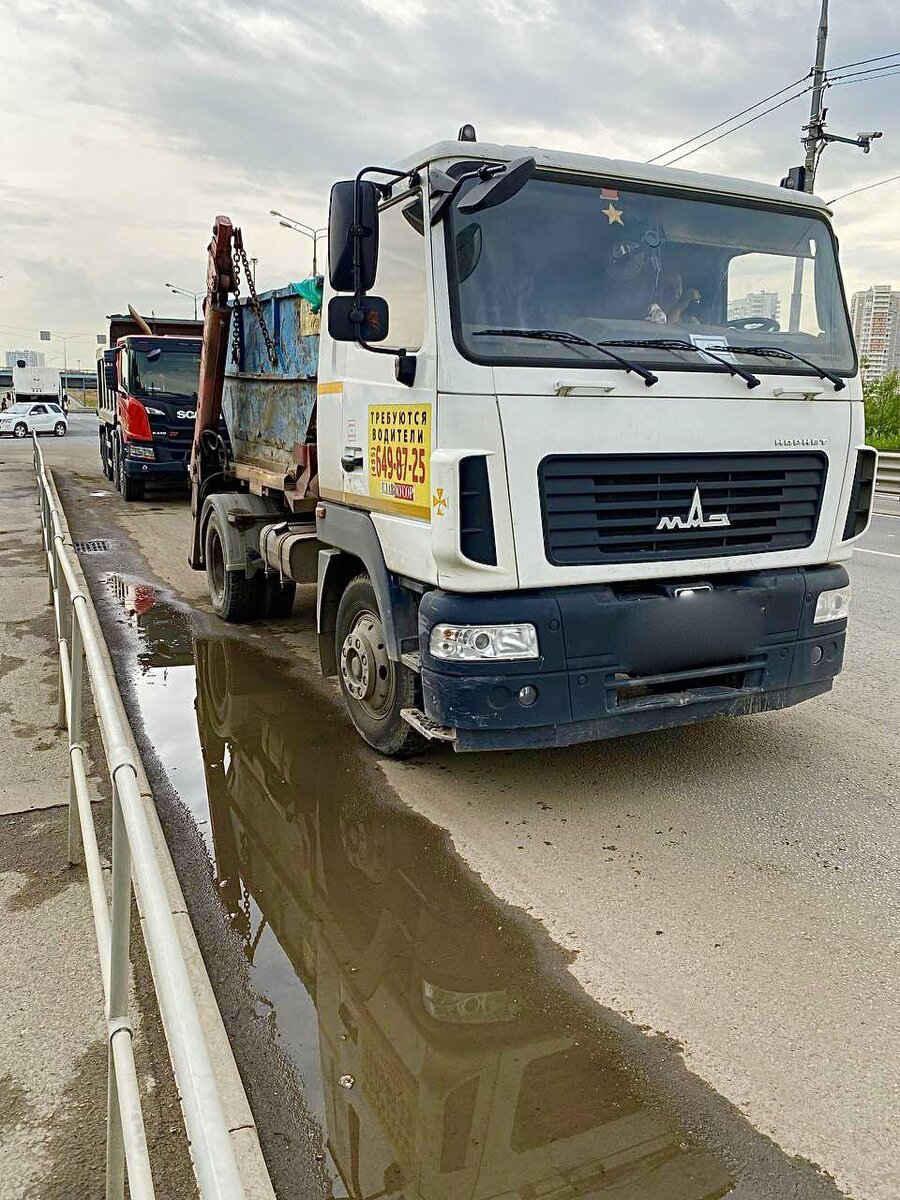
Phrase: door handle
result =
(353, 458)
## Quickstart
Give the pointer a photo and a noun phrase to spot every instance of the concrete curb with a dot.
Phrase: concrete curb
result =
(235, 1105)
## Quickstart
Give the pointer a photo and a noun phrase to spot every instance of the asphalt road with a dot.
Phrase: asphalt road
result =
(732, 886)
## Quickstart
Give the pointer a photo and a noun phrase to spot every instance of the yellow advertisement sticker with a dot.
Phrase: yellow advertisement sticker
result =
(400, 457)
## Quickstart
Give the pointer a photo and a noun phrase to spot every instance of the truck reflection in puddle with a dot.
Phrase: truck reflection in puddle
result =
(451, 1067)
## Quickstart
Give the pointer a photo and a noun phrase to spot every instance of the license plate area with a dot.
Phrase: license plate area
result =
(658, 635)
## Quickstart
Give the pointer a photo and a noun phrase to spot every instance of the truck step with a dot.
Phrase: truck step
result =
(428, 728)
(413, 660)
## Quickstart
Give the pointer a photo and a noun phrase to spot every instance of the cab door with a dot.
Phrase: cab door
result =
(387, 426)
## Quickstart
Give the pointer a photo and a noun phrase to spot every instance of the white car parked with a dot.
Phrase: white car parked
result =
(42, 416)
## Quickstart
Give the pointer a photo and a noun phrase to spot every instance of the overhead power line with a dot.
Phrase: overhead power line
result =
(742, 125)
(862, 61)
(845, 81)
(728, 120)
(836, 73)
(867, 188)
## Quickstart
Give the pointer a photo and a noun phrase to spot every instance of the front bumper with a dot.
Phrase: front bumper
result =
(629, 658)
(170, 463)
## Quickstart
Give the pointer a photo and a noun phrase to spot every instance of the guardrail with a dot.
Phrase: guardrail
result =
(134, 863)
(887, 478)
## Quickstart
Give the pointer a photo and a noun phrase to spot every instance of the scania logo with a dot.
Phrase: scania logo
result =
(695, 518)
(186, 414)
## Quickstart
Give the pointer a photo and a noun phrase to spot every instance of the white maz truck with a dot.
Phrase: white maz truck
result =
(550, 479)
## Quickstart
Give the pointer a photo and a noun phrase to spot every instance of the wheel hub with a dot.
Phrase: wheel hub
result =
(365, 666)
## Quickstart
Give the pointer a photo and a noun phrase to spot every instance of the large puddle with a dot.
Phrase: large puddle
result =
(440, 1059)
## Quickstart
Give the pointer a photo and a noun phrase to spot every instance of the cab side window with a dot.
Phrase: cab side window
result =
(400, 278)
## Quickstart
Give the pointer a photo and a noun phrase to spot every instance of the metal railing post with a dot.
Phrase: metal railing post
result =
(119, 962)
(49, 549)
(76, 699)
(62, 603)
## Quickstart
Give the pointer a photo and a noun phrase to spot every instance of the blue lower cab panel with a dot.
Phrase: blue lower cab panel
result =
(631, 658)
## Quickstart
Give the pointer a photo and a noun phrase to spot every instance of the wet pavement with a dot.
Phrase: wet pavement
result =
(432, 1039)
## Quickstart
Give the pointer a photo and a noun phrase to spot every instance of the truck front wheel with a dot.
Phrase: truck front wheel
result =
(374, 687)
(234, 596)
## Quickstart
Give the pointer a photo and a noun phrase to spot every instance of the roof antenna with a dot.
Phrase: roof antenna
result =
(466, 134)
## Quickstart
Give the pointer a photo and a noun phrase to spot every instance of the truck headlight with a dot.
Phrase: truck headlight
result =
(135, 451)
(471, 642)
(833, 605)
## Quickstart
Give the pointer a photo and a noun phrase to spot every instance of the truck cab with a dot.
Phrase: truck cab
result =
(626, 505)
(147, 399)
(590, 449)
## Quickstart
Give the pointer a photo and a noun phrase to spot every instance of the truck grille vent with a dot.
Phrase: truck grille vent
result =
(476, 517)
(861, 495)
(608, 508)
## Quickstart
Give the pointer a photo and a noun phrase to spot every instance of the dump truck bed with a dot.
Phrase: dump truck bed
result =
(270, 410)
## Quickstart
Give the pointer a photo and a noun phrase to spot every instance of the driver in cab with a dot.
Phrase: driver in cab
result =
(673, 301)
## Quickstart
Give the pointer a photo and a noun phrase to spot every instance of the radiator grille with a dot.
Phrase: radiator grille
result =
(608, 508)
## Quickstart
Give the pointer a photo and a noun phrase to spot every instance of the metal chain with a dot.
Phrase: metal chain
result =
(236, 314)
(253, 300)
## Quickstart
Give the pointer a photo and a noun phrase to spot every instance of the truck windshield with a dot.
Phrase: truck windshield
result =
(164, 371)
(649, 268)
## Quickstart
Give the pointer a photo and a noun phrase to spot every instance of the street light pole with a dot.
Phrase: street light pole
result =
(186, 292)
(307, 230)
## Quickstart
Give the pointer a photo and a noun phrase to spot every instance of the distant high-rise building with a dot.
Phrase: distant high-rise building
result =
(875, 314)
(754, 304)
(33, 358)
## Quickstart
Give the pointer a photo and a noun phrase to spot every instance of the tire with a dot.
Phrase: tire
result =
(117, 464)
(234, 597)
(59, 429)
(132, 489)
(20, 430)
(277, 597)
(374, 687)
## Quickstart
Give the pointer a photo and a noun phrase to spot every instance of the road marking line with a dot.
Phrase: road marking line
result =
(883, 553)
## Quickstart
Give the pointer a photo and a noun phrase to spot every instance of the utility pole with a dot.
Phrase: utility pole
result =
(815, 130)
(815, 140)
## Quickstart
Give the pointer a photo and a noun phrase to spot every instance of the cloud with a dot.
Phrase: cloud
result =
(147, 123)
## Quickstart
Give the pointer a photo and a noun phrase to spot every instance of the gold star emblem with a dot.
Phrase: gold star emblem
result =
(439, 502)
(613, 214)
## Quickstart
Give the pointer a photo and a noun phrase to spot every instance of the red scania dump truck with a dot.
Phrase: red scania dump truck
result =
(147, 400)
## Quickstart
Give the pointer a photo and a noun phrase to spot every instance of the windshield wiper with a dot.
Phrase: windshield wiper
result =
(780, 352)
(572, 339)
(748, 377)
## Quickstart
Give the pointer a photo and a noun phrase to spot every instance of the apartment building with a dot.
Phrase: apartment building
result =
(875, 314)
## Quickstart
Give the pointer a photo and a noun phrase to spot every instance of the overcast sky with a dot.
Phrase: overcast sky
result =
(125, 128)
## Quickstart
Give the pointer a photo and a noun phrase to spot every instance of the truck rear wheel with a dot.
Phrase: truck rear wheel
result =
(105, 458)
(374, 687)
(234, 597)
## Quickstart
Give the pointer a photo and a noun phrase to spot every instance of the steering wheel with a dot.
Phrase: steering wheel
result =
(765, 324)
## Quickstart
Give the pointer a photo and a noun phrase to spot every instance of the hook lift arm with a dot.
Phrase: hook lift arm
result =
(206, 451)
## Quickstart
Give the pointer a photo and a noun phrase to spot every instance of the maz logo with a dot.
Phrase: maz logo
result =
(186, 414)
(695, 518)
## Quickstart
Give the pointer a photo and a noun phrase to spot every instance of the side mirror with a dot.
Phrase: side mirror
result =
(365, 319)
(500, 187)
(343, 234)
(110, 376)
